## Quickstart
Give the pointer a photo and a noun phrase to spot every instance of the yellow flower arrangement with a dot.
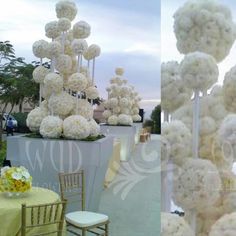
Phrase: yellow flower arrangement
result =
(15, 179)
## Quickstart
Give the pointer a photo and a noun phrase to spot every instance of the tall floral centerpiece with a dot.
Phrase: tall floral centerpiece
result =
(204, 184)
(67, 88)
(15, 180)
(122, 105)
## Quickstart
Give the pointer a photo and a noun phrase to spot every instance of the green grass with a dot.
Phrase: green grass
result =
(88, 139)
(3, 152)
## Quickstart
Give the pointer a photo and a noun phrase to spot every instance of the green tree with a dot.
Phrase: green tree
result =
(156, 118)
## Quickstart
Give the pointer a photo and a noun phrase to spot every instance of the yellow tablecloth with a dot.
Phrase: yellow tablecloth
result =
(10, 209)
(114, 163)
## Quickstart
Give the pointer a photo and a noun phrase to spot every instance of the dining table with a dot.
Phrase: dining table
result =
(10, 209)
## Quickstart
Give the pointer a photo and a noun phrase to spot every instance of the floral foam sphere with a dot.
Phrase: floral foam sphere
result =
(15, 180)
(76, 127)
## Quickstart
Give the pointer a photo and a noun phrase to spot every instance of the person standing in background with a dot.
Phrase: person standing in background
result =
(10, 126)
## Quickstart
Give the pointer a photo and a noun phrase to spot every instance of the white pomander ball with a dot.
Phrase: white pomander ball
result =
(125, 110)
(174, 225)
(40, 48)
(136, 118)
(198, 185)
(124, 102)
(94, 128)
(66, 9)
(64, 24)
(106, 114)
(124, 119)
(229, 90)
(35, 118)
(39, 73)
(119, 71)
(92, 52)
(51, 30)
(208, 125)
(54, 49)
(54, 82)
(77, 82)
(225, 226)
(112, 120)
(81, 30)
(199, 71)
(205, 26)
(179, 139)
(63, 64)
(76, 127)
(92, 92)
(173, 90)
(61, 104)
(112, 102)
(84, 109)
(116, 110)
(79, 46)
(51, 127)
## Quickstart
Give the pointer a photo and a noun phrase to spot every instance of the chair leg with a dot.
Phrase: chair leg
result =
(83, 232)
(106, 229)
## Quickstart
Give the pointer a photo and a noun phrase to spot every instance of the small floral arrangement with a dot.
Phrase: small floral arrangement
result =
(15, 179)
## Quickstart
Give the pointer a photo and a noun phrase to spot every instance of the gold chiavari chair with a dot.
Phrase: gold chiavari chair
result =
(72, 185)
(48, 219)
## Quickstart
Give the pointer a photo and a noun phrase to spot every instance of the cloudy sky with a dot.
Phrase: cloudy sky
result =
(128, 32)
(168, 41)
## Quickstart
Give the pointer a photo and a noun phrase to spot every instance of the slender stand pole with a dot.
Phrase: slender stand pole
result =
(40, 85)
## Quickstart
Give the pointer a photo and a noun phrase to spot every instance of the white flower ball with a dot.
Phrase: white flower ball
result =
(77, 82)
(208, 125)
(94, 128)
(54, 82)
(119, 71)
(174, 225)
(124, 119)
(112, 120)
(135, 111)
(61, 104)
(116, 110)
(39, 73)
(198, 185)
(46, 92)
(84, 109)
(225, 226)
(40, 48)
(64, 24)
(125, 110)
(179, 139)
(173, 91)
(124, 102)
(227, 130)
(136, 118)
(204, 26)
(79, 46)
(106, 114)
(52, 30)
(229, 202)
(113, 102)
(229, 90)
(92, 92)
(35, 118)
(66, 9)
(92, 52)
(199, 71)
(124, 92)
(76, 127)
(81, 30)
(63, 64)
(51, 127)
(54, 49)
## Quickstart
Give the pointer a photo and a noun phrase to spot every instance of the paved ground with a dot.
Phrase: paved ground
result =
(133, 200)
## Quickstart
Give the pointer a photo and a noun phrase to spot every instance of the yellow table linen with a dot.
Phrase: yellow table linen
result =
(114, 164)
(10, 209)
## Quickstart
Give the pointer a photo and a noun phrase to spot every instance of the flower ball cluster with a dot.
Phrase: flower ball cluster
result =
(205, 26)
(199, 71)
(172, 224)
(178, 138)
(122, 105)
(173, 91)
(197, 186)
